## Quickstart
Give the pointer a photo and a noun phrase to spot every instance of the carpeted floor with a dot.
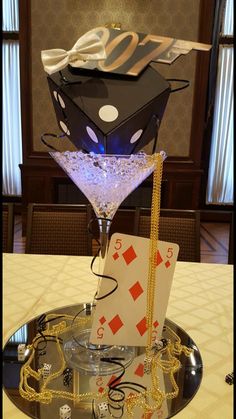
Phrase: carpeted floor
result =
(214, 239)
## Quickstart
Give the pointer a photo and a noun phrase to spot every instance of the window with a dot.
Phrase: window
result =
(11, 113)
(220, 178)
(20, 336)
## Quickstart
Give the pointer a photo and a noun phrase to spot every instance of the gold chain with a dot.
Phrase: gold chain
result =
(45, 395)
(154, 230)
(150, 400)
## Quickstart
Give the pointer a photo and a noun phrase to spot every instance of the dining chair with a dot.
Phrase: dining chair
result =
(175, 226)
(60, 229)
(7, 227)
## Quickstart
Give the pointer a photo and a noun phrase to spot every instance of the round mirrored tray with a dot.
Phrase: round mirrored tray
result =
(74, 381)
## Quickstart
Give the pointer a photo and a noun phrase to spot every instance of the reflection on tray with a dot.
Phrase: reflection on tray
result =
(43, 375)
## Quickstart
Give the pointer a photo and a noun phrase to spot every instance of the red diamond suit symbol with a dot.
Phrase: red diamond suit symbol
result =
(129, 255)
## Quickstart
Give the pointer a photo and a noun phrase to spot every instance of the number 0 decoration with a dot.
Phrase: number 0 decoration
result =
(129, 52)
(116, 51)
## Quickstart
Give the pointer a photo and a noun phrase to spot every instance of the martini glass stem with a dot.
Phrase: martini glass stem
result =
(104, 225)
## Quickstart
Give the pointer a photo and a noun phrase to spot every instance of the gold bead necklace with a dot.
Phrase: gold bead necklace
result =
(154, 230)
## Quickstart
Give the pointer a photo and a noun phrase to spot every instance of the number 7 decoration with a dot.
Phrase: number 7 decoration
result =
(130, 52)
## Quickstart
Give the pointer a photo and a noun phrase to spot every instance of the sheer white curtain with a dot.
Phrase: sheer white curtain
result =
(20, 336)
(220, 178)
(11, 108)
(10, 15)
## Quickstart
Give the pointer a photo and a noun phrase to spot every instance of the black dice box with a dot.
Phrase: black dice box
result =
(107, 113)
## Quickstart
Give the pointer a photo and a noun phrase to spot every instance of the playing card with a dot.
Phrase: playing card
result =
(120, 318)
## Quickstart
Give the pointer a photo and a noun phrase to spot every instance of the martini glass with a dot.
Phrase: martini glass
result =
(106, 180)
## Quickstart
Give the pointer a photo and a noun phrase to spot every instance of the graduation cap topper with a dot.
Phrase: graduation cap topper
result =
(109, 100)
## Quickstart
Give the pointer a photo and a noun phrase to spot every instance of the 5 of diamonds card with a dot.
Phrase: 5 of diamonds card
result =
(120, 318)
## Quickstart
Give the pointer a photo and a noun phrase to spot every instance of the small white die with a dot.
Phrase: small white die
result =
(46, 370)
(103, 411)
(65, 412)
(21, 351)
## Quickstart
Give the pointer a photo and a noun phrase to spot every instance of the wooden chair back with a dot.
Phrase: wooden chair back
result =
(176, 226)
(58, 229)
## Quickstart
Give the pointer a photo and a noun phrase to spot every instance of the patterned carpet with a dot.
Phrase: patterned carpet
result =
(214, 239)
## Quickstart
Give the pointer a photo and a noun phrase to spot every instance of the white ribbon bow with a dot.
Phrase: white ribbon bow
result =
(88, 48)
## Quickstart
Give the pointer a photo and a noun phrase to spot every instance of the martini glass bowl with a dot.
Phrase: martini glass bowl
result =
(106, 180)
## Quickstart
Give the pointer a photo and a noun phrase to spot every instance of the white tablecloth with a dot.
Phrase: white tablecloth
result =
(201, 302)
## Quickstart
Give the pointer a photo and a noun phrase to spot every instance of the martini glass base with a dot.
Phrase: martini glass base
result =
(86, 357)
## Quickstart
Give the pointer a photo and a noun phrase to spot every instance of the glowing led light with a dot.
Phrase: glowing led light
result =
(96, 176)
